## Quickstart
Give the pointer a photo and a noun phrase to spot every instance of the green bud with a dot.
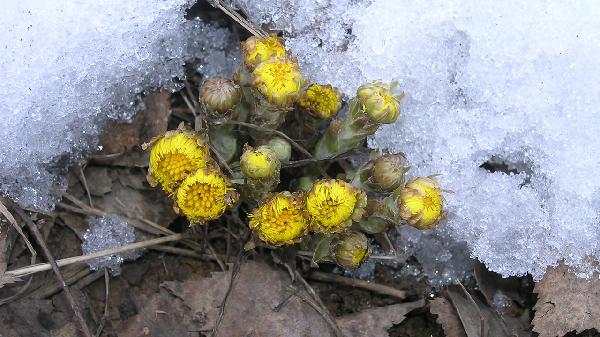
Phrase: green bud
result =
(281, 148)
(220, 95)
(351, 250)
(387, 172)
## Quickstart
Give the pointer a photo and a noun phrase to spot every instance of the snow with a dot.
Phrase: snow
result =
(68, 67)
(108, 232)
(508, 82)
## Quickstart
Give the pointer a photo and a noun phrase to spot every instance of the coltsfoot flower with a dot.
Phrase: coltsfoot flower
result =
(321, 101)
(279, 80)
(220, 94)
(387, 172)
(420, 203)
(280, 221)
(351, 250)
(260, 163)
(257, 50)
(204, 196)
(333, 204)
(379, 102)
(174, 156)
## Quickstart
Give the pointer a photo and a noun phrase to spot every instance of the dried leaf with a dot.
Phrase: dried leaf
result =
(26, 318)
(566, 303)
(376, 321)
(4, 228)
(447, 317)
(476, 316)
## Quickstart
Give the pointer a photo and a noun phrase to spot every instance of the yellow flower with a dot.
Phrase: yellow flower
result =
(279, 80)
(351, 250)
(379, 102)
(257, 50)
(333, 204)
(280, 220)
(421, 203)
(174, 156)
(321, 101)
(261, 163)
(204, 196)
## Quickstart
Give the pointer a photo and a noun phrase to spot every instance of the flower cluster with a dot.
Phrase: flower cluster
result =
(292, 200)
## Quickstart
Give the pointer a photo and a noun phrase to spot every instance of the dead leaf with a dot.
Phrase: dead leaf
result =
(26, 318)
(490, 283)
(566, 303)
(375, 322)
(98, 181)
(256, 292)
(478, 319)
(4, 228)
(151, 122)
(447, 317)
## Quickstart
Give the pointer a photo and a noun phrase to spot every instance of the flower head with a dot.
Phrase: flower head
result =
(204, 196)
(333, 204)
(421, 202)
(351, 250)
(387, 172)
(379, 102)
(257, 50)
(174, 156)
(279, 80)
(260, 163)
(220, 94)
(321, 101)
(281, 220)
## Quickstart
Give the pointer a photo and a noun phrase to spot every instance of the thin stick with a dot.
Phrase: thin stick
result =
(237, 18)
(83, 258)
(318, 300)
(277, 132)
(326, 316)
(370, 286)
(106, 314)
(40, 239)
(85, 186)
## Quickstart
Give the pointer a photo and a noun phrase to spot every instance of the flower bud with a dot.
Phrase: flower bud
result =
(387, 172)
(379, 102)
(260, 163)
(420, 203)
(281, 148)
(351, 250)
(279, 80)
(321, 101)
(220, 94)
(257, 50)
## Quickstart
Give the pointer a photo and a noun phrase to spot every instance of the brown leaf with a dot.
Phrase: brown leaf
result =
(476, 316)
(447, 317)
(566, 303)
(4, 228)
(376, 321)
(256, 292)
(122, 137)
(26, 318)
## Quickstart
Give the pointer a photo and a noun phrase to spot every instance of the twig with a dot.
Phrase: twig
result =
(370, 286)
(83, 258)
(304, 162)
(317, 299)
(40, 239)
(325, 314)
(235, 270)
(277, 132)
(85, 186)
(237, 18)
(184, 252)
(222, 160)
(106, 314)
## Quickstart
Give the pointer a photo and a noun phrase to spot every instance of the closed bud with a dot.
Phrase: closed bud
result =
(260, 163)
(387, 172)
(351, 250)
(220, 94)
(379, 102)
(420, 203)
(281, 148)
